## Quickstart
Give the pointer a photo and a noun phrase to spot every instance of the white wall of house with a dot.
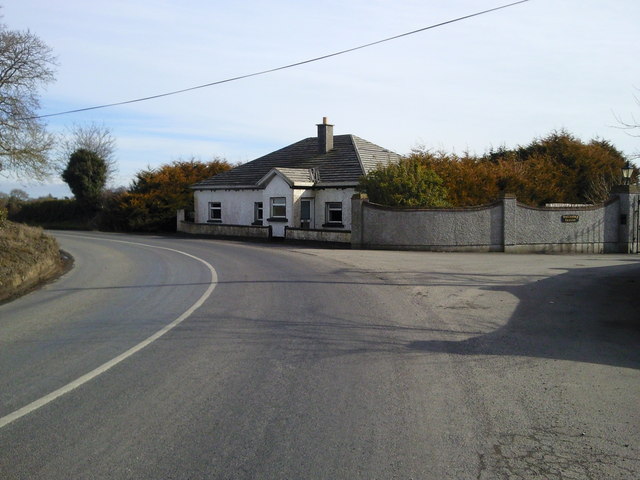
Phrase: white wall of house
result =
(237, 205)
(277, 188)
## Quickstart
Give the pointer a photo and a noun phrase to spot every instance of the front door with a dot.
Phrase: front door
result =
(306, 213)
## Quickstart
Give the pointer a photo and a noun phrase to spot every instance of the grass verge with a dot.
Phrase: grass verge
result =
(28, 258)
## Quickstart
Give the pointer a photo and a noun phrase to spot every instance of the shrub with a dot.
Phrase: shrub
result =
(405, 184)
(556, 168)
(151, 203)
(86, 175)
(53, 213)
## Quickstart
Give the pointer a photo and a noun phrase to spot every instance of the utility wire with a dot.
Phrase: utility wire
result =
(291, 65)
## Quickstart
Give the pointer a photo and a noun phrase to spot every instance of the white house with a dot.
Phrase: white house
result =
(308, 184)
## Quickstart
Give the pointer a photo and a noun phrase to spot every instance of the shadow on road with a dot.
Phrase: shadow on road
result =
(585, 315)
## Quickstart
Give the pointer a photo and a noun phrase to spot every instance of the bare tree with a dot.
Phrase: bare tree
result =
(631, 125)
(598, 189)
(19, 195)
(93, 137)
(26, 64)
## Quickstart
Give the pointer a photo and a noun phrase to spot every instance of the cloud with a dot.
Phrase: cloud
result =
(501, 78)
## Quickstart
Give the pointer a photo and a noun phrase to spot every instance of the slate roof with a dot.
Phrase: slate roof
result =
(350, 158)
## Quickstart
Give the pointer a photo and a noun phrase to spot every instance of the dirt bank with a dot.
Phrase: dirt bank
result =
(28, 258)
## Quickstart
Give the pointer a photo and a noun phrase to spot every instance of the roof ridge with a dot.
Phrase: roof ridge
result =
(374, 144)
(357, 150)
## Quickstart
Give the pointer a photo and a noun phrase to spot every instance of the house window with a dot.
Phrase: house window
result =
(215, 212)
(257, 213)
(278, 207)
(333, 214)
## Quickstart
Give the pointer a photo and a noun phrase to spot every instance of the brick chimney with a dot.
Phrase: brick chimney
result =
(325, 136)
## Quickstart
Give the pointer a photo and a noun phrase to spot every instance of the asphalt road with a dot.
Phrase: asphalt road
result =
(300, 363)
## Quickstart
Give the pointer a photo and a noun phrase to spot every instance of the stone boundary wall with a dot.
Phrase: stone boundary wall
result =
(503, 226)
(225, 230)
(221, 230)
(566, 229)
(314, 235)
(452, 229)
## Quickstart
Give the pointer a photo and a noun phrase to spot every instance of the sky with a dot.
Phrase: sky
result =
(500, 79)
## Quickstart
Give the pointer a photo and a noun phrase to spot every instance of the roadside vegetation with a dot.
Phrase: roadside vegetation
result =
(148, 205)
(151, 202)
(51, 213)
(558, 168)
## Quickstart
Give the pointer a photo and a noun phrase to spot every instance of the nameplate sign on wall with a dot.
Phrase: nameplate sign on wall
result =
(570, 218)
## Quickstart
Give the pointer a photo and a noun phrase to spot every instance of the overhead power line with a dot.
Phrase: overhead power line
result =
(284, 67)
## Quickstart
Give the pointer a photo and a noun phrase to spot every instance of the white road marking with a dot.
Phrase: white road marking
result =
(111, 363)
